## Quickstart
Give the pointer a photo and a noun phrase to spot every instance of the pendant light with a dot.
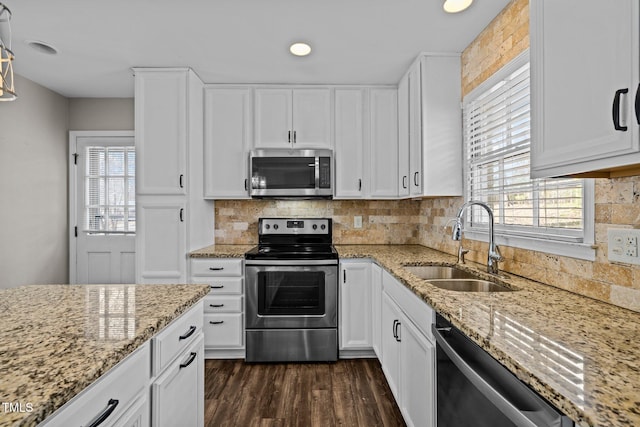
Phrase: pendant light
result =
(455, 6)
(7, 91)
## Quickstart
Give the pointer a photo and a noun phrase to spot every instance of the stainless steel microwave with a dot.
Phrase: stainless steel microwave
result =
(283, 173)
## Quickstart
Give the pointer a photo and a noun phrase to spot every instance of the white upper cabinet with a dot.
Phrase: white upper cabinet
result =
(415, 128)
(292, 118)
(383, 147)
(584, 88)
(403, 137)
(350, 143)
(161, 130)
(227, 139)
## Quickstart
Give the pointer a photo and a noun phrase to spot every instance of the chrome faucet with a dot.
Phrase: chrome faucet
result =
(494, 253)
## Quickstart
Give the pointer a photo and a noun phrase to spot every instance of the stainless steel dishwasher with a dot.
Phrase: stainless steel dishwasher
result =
(473, 389)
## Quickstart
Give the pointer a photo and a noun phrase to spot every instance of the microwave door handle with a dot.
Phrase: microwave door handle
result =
(317, 171)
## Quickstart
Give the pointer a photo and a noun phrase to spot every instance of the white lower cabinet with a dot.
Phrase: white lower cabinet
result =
(376, 309)
(178, 393)
(355, 307)
(223, 307)
(408, 354)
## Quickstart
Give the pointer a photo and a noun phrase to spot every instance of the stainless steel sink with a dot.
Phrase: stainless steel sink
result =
(469, 285)
(454, 279)
(429, 272)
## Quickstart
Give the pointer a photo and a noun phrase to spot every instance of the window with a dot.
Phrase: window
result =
(110, 190)
(497, 146)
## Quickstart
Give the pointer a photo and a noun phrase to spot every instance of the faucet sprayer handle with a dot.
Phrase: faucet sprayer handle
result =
(495, 253)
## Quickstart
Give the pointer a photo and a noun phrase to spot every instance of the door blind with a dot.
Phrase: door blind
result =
(110, 190)
(497, 144)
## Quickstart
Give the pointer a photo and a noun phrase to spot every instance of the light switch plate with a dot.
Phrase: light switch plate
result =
(357, 221)
(623, 245)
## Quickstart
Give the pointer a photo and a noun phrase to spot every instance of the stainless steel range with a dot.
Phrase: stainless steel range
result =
(291, 277)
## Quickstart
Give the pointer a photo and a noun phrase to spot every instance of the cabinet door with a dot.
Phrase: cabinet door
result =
(349, 150)
(226, 142)
(355, 305)
(376, 309)
(403, 137)
(160, 242)
(383, 143)
(178, 393)
(391, 343)
(415, 132)
(161, 131)
(582, 53)
(137, 415)
(273, 126)
(312, 118)
(417, 382)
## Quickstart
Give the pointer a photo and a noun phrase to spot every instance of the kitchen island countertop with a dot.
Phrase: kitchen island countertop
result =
(55, 340)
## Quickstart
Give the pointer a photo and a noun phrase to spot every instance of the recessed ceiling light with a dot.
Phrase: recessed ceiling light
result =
(300, 49)
(42, 47)
(455, 6)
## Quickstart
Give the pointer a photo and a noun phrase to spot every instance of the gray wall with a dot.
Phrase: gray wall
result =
(101, 114)
(33, 187)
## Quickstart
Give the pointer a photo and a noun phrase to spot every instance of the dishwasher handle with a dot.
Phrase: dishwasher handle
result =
(493, 395)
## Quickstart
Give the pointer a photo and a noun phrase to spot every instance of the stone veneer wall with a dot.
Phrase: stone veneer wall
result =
(617, 201)
(383, 221)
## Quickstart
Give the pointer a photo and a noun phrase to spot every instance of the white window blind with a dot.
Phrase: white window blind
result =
(497, 144)
(110, 190)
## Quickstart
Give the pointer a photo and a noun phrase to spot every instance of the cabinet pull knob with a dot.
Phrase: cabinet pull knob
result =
(404, 181)
(102, 416)
(289, 137)
(615, 110)
(216, 268)
(187, 334)
(181, 181)
(638, 104)
(217, 286)
(181, 214)
(216, 322)
(216, 305)
(189, 361)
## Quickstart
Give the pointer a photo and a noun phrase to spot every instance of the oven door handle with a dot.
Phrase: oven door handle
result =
(291, 262)
(505, 406)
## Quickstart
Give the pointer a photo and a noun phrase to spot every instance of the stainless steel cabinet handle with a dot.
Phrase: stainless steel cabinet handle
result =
(217, 286)
(181, 214)
(189, 361)
(415, 179)
(344, 276)
(294, 136)
(216, 268)
(181, 181)
(187, 334)
(398, 331)
(615, 110)
(216, 322)
(394, 330)
(216, 305)
(404, 181)
(289, 137)
(246, 184)
(102, 416)
(360, 184)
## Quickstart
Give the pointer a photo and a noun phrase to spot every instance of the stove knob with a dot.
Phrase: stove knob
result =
(315, 226)
(267, 226)
(275, 226)
(323, 226)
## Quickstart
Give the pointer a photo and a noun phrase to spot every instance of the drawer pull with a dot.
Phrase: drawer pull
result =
(216, 268)
(216, 305)
(187, 334)
(217, 286)
(102, 416)
(189, 361)
(216, 322)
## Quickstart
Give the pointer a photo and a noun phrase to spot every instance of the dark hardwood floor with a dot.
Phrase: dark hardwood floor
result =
(348, 393)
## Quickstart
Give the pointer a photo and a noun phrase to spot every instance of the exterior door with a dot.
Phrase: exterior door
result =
(102, 211)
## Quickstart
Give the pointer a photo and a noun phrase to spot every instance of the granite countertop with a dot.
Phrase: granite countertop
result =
(222, 251)
(55, 340)
(581, 354)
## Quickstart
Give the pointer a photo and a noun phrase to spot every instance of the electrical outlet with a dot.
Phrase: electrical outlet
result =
(623, 245)
(357, 221)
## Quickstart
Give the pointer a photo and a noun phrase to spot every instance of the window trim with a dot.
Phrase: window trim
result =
(581, 250)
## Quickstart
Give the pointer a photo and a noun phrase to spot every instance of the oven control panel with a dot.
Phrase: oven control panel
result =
(294, 226)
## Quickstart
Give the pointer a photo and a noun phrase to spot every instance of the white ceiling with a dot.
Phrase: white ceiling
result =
(233, 41)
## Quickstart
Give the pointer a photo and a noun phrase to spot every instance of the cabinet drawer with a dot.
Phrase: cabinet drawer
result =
(125, 383)
(176, 337)
(221, 285)
(216, 267)
(223, 304)
(223, 330)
